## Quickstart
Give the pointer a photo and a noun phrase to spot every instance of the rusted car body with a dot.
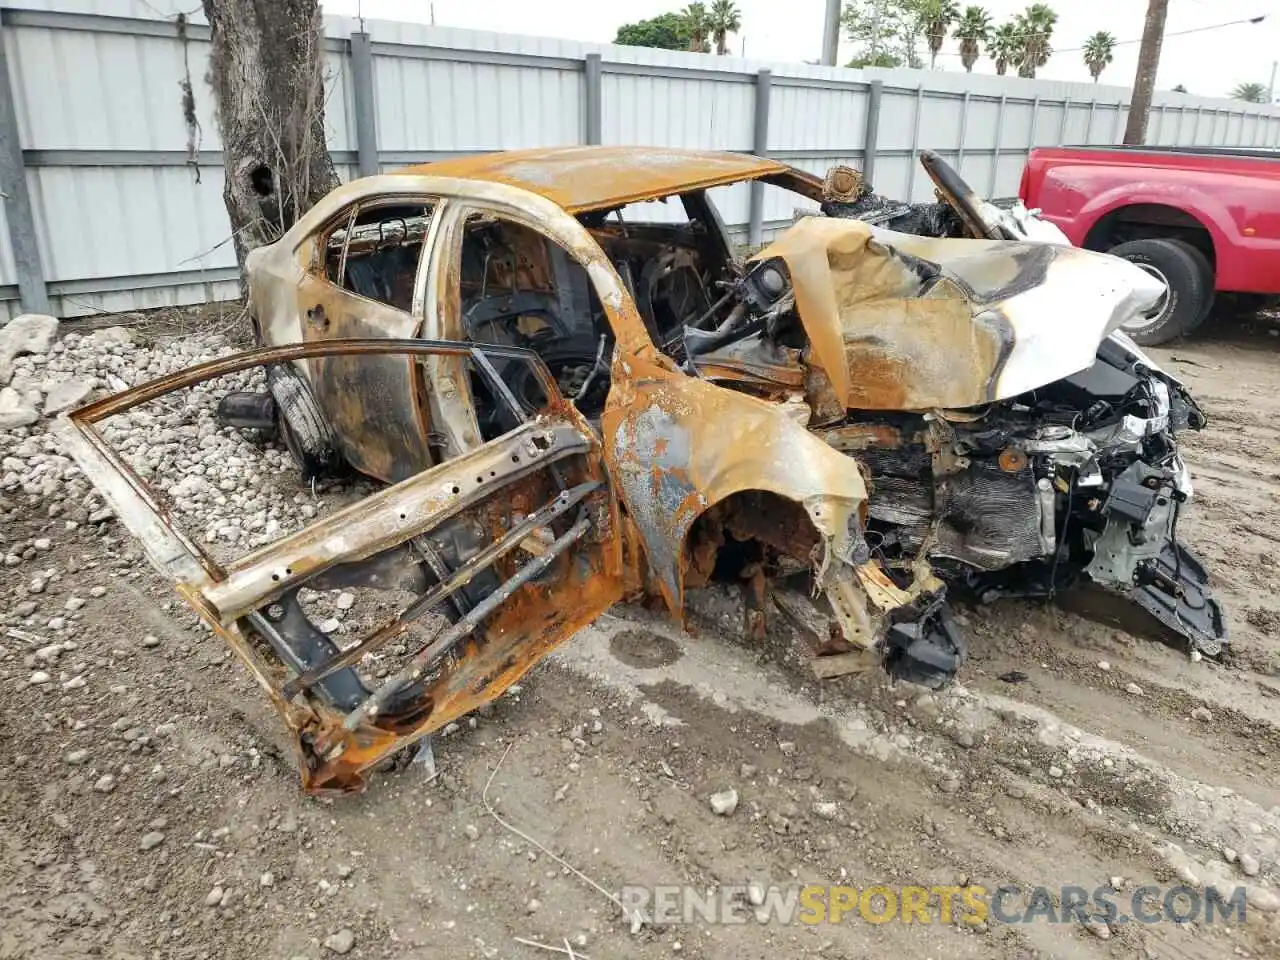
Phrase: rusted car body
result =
(862, 408)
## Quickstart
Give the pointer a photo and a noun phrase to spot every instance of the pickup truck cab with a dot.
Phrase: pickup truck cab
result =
(1206, 221)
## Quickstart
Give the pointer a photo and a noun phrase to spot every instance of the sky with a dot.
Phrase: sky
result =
(1208, 63)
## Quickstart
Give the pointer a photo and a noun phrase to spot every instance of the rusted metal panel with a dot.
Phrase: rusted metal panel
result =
(901, 322)
(548, 595)
(592, 178)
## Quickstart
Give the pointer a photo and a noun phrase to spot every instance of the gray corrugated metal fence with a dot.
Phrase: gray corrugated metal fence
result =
(113, 195)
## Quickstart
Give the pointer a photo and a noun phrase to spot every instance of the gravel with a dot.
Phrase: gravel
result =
(225, 488)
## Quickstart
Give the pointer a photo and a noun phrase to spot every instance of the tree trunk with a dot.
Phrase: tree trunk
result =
(1135, 131)
(267, 72)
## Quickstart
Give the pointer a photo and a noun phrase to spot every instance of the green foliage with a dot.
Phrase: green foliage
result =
(1035, 24)
(666, 31)
(935, 18)
(1250, 92)
(724, 20)
(1099, 50)
(697, 24)
(1006, 47)
(887, 32)
(974, 32)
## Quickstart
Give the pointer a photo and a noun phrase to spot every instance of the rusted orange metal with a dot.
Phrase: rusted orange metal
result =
(579, 179)
(482, 486)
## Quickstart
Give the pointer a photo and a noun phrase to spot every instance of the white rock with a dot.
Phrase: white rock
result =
(1099, 930)
(16, 409)
(340, 942)
(39, 678)
(67, 394)
(1262, 898)
(724, 803)
(1249, 865)
(825, 810)
(109, 335)
(28, 333)
(213, 897)
(1134, 689)
(345, 601)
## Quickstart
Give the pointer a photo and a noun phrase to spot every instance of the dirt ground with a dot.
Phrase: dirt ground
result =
(153, 811)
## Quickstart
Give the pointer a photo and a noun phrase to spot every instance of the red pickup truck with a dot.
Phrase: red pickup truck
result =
(1204, 220)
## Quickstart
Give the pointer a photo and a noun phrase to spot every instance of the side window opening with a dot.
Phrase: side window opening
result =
(671, 255)
(375, 252)
(519, 288)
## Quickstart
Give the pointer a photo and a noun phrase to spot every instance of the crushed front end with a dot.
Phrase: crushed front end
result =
(1006, 452)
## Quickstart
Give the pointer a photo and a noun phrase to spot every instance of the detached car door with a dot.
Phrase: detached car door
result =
(490, 560)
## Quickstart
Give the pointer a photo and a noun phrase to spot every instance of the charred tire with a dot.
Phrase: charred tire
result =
(1179, 311)
(303, 426)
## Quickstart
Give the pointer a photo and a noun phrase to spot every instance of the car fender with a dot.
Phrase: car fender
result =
(678, 446)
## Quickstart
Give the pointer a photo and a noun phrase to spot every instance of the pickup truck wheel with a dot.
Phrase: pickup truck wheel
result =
(1206, 271)
(1179, 310)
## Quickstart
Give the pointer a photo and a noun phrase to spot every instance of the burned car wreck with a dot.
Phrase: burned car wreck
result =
(572, 405)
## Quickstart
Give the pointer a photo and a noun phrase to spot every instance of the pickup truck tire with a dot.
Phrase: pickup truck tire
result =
(1182, 309)
(1206, 269)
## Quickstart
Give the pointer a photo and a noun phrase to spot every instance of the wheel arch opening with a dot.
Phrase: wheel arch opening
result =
(1150, 221)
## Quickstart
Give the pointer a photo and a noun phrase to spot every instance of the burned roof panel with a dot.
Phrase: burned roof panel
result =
(594, 178)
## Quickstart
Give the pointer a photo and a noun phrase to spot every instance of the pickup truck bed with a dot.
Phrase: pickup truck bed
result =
(1203, 219)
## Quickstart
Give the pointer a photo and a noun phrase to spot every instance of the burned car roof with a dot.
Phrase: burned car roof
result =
(593, 178)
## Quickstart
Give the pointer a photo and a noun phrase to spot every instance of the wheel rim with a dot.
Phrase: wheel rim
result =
(1157, 313)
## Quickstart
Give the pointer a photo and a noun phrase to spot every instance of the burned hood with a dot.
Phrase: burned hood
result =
(901, 322)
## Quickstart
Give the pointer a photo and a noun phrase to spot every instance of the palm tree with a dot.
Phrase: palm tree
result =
(973, 31)
(1099, 50)
(1006, 47)
(725, 19)
(936, 16)
(698, 24)
(1036, 26)
(1250, 92)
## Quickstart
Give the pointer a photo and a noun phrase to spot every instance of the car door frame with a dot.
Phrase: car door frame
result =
(571, 575)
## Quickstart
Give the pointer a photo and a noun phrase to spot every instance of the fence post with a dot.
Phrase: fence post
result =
(17, 201)
(1177, 134)
(760, 147)
(366, 107)
(915, 145)
(594, 98)
(964, 131)
(995, 153)
(1062, 127)
(1088, 127)
(1115, 125)
(871, 134)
